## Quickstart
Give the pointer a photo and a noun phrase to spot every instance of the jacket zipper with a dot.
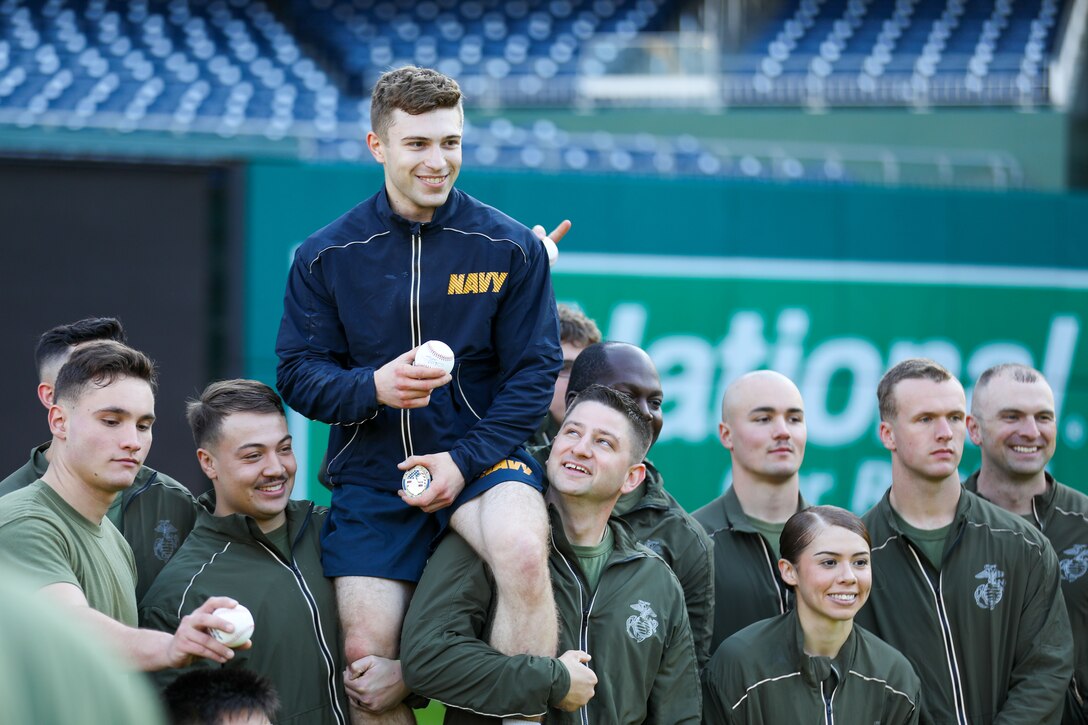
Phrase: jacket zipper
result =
(311, 603)
(583, 627)
(415, 279)
(829, 712)
(946, 635)
(774, 576)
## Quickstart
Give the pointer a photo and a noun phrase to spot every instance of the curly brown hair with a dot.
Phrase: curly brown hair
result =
(413, 90)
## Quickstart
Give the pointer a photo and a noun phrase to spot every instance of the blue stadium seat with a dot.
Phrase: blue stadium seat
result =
(899, 51)
(300, 70)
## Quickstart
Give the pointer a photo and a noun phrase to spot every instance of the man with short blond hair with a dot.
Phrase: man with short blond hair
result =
(966, 591)
(1014, 422)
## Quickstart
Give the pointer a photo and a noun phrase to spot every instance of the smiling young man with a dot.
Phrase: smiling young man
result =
(254, 544)
(763, 428)
(421, 260)
(656, 519)
(1014, 422)
(624, 629)
(966, 591)
(56, 530)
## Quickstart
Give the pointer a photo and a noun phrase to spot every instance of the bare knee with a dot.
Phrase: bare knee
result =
(359, 644)
(371, 613)
(519, 559)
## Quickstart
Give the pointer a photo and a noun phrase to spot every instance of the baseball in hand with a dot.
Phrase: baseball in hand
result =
(551, 249)
(416, 480)
(435, 354)
(242, 620)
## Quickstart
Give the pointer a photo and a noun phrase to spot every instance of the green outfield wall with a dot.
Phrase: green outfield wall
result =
(827, 284)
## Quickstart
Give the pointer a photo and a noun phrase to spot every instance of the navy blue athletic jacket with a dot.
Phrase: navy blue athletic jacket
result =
(372, 285)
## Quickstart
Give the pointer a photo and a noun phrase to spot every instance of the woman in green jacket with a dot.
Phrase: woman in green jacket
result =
(812, 664)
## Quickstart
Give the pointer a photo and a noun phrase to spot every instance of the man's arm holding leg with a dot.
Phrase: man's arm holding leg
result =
(508, 528)
(446, 658)
(371, 613)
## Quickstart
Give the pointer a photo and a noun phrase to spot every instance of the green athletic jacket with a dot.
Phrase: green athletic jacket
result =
(154, 514)
(746, 570)
(662, 525)
(296, 639)
(635, 627)
(1062, 515)
(988, 634)
(762, 675)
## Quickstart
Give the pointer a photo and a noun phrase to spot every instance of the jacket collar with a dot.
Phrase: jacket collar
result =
(38, 460)
(736, 519)
(887, 513)
(650, 494)
(242, 528)
(1041, 504)
(441, 215)
(815, 670)
(624, 546)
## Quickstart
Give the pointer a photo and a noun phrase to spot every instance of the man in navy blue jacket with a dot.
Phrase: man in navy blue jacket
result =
(421, 260)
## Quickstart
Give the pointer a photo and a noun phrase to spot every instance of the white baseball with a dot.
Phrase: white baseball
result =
(435, 354)
(242, 620)
(551, 249)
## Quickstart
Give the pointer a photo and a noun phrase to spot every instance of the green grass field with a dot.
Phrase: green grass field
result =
(431, 716)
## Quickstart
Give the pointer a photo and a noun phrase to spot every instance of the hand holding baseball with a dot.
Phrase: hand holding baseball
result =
(193, 636)
(446, 481)
(434, 354)
(400, 384)
(242, 621)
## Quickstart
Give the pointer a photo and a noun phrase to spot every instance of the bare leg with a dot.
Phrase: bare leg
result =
(508, 527)
(371, 613)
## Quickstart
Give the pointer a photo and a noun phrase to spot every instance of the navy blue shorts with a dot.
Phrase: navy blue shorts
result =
(372, 532)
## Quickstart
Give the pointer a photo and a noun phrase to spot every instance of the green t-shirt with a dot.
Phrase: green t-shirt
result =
(281, 539)
(591, 559)
(930, 541)
(54, 670)
(771, 532)
(50, 542)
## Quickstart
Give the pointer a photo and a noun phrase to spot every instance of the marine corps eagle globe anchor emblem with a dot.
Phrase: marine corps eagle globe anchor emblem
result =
(643, 625)
(988, 595)
(1074, 567)
(167, 542)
